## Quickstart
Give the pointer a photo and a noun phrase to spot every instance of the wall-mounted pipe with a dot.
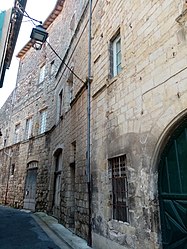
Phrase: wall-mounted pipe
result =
(88, 163)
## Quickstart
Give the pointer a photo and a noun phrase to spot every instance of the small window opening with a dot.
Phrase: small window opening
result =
(12, 169)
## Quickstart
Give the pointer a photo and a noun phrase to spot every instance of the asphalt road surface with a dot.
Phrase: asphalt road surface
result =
(18, 230)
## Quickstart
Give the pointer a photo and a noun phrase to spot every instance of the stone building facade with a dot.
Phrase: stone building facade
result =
(138, 124)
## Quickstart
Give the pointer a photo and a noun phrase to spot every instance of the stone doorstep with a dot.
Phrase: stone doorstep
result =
(63, 233)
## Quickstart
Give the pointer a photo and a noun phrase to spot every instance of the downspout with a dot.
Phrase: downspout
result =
(88, 163)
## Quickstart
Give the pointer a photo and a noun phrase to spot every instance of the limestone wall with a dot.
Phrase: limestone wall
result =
(131, 114)
(133, 110)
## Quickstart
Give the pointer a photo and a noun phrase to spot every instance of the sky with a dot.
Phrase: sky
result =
(37, 9)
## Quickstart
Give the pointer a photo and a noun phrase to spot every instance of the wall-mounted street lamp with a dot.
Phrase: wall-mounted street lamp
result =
(39, 35)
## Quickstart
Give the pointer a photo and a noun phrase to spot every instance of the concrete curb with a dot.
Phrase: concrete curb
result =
(63, 233)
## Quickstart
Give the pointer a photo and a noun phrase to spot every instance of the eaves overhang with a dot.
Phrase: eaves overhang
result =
(50, 19)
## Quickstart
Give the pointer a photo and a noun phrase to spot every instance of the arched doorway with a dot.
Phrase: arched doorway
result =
(173, 190)
(30, 186)
(57, 183)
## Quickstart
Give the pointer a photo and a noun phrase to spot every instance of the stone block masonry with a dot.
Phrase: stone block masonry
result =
(131, 114)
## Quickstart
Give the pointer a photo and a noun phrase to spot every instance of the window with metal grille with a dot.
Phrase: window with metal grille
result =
(32, 165)
(119, 188)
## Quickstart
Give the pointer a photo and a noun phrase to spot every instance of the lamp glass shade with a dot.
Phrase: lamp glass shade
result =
(39, 34)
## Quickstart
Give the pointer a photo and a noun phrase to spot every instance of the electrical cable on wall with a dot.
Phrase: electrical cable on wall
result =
(25, 14)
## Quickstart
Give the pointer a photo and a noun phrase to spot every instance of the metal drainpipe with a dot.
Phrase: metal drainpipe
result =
(88, 163)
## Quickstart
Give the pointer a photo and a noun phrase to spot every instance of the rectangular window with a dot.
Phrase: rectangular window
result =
(57, 183)
(17, 134)
(43, 119)
(115, 56)
(28, 128)
(5, 142)
(71, 92)
(52, 67)
(6, 137)
(42, 74)
(119, 188)
(73, 152)
(12, 169)
(61, 103)
(70, 85)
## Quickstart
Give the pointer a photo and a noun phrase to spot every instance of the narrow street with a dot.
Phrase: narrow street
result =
(18, 230)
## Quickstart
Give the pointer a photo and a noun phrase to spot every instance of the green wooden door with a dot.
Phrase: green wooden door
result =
(173, 190)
